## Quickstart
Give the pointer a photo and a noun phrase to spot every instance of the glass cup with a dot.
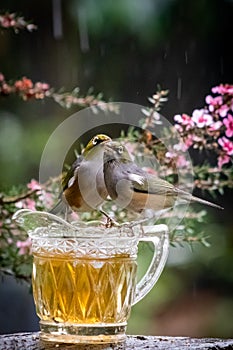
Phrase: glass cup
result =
(85, 276)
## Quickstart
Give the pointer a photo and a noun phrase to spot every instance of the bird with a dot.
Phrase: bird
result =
(83, 187)
(133, 188)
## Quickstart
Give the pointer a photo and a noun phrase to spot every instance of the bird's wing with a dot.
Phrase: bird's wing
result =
(68, 179)
(160, 186)
(143, 182)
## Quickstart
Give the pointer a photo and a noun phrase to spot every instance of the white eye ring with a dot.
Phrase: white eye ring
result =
(120, 149)
(95, 140)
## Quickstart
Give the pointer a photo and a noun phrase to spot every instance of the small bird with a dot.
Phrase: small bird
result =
(83, 187)
(134, 189)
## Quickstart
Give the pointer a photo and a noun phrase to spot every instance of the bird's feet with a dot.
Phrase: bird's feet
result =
(110, 221)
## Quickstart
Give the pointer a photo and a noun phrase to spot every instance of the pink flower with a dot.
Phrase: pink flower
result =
(223, 110)
(201, 118)
(213, 102)
(226, 145)
(223, 89)
(34, 185)
(26, 204)
(228, 122)
(24, 246)
(180, 159)
(180, 147)
(223, 159)
(215, 126)
(182, 162)
(41, 86)
(183, 119)
(74, 216)
(19, 204)
(46, 198)
(24, 84)
(188, 141)
(216, 104)
(178, 128)
(7, 20)
(171, 155)
(30, 204)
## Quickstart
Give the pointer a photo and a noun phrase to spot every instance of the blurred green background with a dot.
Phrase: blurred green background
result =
(124, 49)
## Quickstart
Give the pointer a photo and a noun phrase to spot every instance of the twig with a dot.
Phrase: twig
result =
(15, 199)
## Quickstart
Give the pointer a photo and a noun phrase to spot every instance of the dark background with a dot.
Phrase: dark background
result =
(124, 49)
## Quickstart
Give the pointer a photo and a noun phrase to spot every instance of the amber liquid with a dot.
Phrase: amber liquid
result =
(83, 290)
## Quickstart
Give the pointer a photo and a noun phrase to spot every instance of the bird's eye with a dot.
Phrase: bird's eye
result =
(120, 149)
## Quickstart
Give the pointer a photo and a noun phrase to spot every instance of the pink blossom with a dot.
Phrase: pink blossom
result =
(223, 110)
(34, 185)
(178, 128)
(26, 204)
(74, 216)
(42, 86)
(228, 122)
(7, 20)
(188, 141)
(213, 102)
(226, 145)
(180, 159)
(46, 198)
(182, 162)
(197, 139)
(223, 89)
(171, 155)
(216, 104)
(19, 204)
(24, 84)
(223, 159)
(30, 204)
(181, 146)
(201, 118)
(24, 246)
(183, 119)
(215, 126)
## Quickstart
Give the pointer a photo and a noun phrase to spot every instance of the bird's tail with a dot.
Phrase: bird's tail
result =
(58, 208)
(203, 201)
(190, 198)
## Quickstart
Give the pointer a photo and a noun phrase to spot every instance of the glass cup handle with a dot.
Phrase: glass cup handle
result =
(158, 235)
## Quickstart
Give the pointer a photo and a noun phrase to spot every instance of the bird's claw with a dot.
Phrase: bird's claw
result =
(111, 222)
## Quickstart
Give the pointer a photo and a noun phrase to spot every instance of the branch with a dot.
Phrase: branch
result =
(27, 90)
(15, 199)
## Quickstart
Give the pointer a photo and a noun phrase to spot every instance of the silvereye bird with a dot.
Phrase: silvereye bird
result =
(83, 187)
(133, 188)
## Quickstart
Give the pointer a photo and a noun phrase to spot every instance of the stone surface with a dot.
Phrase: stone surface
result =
(30, 341)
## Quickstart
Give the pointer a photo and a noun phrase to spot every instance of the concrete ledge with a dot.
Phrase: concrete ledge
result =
(30, 341)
